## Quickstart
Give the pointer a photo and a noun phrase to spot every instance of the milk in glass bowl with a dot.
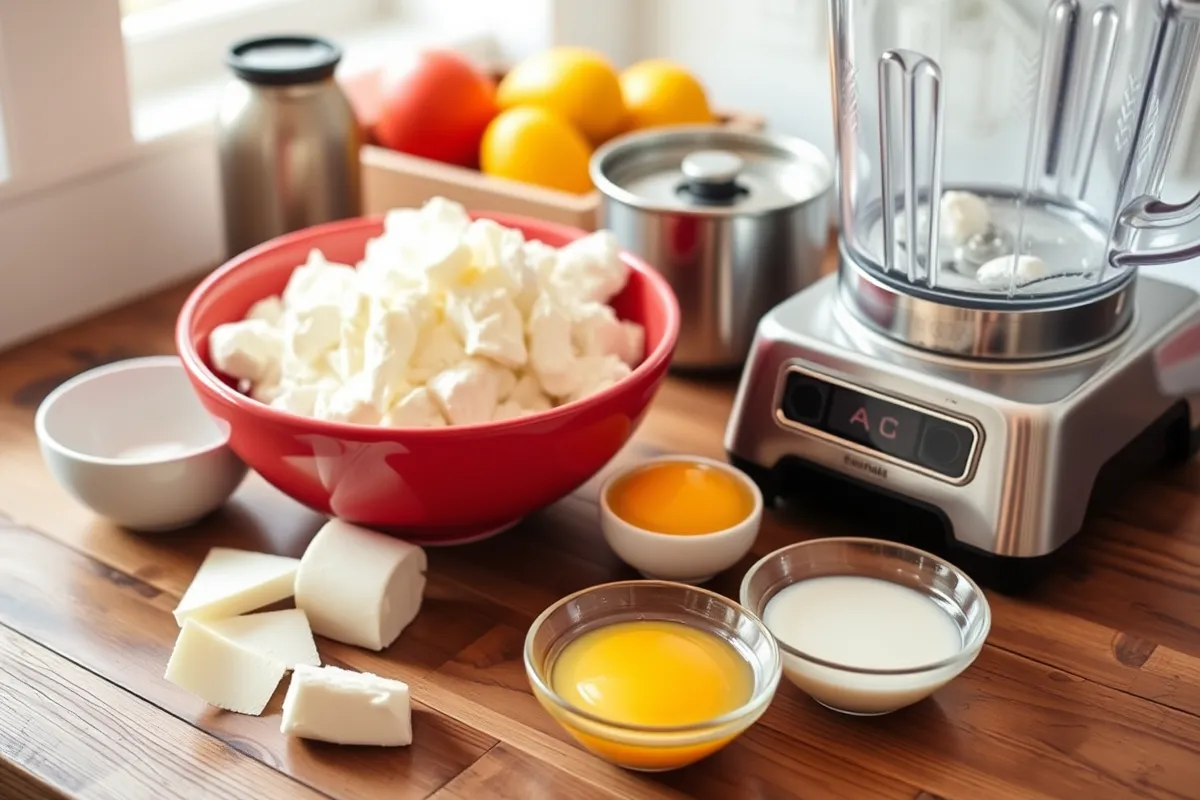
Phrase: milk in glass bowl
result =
(866, 626)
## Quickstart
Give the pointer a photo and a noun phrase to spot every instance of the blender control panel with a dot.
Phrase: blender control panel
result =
(897, 430)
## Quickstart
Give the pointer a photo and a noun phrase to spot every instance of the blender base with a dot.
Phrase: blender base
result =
(1048, 441)
(839, 505)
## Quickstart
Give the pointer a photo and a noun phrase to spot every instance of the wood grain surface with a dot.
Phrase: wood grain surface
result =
(1089, 687)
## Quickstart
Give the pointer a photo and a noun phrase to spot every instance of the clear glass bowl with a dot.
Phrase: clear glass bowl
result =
(855, 690)
(645, 748)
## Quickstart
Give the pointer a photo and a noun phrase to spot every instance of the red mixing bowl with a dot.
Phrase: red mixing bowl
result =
(430, 485)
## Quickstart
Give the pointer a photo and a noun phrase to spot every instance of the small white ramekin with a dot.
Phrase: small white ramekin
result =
(131, 441)
(692, 558)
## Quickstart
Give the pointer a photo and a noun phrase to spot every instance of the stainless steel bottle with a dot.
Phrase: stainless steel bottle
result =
(288, 140)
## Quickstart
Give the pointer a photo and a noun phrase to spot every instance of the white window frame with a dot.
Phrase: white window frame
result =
(183, 41)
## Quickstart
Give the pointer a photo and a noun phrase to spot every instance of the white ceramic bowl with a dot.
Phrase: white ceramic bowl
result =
(131, 441)
(856, 690)
(694, 558)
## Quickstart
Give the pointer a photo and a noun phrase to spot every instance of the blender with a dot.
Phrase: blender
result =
(986, 359)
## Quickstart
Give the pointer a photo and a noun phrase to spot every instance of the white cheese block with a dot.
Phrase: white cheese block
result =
(358, 586)
(222, 672)
(278, 635)
(232, 582)
(343, 707)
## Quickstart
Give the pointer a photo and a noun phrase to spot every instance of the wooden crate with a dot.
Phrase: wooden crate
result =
(396, 180)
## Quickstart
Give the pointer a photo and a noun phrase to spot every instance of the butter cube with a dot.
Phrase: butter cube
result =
(222, 672)
(336, 705)
(359, 586)
(282, 636)
(231, 582)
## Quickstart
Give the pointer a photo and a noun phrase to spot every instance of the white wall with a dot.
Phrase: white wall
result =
(771, 56)
(767, 56)
(622, 29)
(519, 26)
(108, 237)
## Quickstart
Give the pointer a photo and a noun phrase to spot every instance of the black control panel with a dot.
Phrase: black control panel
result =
(901, 431)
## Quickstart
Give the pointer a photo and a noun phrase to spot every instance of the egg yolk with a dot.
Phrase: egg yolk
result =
(681, 498)
(652, 673)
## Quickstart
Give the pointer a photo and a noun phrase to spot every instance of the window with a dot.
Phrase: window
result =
(174, 43)
(93, 213)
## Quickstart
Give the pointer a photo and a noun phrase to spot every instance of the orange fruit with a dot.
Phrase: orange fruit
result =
(578, 84)
(537, 146)
(658, 92)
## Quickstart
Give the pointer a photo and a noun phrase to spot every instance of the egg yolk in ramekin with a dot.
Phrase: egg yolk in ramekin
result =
(683, 498)
(652, 674)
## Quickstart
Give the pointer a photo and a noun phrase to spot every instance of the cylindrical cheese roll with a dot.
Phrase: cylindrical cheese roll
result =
(359, 586)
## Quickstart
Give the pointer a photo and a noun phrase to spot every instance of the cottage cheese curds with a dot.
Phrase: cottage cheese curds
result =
(446, 321)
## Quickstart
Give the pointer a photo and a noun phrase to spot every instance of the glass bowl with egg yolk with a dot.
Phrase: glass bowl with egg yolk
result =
(651, 675)
(680, 518)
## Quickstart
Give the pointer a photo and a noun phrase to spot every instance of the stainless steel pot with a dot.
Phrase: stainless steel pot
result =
(287, 138)
(736, 222)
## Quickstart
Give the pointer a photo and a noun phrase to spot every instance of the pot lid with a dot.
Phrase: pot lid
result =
(710, 170)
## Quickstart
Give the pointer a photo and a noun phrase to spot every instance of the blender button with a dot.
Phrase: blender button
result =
(804, 399)
(945, 447)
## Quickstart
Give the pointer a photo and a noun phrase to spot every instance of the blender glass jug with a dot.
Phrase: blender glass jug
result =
(1010, 152)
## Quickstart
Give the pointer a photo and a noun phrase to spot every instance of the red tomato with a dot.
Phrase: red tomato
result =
(437, 108)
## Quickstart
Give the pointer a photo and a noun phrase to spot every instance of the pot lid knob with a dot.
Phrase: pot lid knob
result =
(712, 174)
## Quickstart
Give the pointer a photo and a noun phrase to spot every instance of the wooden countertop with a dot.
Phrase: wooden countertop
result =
(1087, 688)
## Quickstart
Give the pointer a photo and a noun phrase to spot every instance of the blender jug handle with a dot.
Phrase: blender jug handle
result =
(1150, 230)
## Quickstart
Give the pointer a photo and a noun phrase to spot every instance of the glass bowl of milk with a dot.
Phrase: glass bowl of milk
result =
(866, 626)
(651, 675)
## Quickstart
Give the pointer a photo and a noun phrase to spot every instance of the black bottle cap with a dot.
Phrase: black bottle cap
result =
(283, 60)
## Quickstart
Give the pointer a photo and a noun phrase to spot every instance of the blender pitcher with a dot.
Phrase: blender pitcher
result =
(1000, 164)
